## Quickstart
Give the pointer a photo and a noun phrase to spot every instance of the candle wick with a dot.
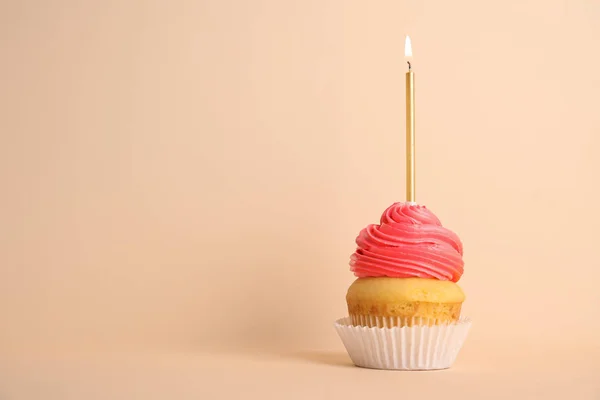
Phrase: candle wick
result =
(409, 66)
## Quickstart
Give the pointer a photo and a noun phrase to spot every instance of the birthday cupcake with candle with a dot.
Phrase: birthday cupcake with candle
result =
(405, 305)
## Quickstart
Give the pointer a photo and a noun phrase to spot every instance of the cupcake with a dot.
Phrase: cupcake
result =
(405, 306)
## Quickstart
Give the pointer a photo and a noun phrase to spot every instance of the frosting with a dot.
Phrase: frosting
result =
(410, 241)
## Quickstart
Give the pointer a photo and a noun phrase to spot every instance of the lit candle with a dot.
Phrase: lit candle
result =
(410, 124)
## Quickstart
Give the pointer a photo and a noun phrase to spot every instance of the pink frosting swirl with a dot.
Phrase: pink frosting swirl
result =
(410, 241)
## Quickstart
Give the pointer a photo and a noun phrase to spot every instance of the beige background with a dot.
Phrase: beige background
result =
(187, 176)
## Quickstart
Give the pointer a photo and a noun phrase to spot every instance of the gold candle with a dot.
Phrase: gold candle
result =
(410, 125)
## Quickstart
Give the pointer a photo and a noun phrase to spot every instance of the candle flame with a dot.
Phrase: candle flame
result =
(407, 47)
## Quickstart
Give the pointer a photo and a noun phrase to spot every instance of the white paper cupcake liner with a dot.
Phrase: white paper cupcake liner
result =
(414, 348)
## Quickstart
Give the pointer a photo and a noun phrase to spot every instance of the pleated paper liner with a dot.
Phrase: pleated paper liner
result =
(418, 347)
